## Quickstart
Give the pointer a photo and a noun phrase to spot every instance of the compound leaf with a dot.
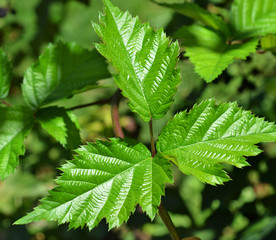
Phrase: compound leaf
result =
(106, 180)
(208, 51)
(253, 18)
(144, 59)
(5, 74)
(198, 141)
(15, 124)
(63, 70)
(61, 124)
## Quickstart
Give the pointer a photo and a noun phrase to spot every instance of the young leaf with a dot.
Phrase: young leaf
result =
(61, 124)
(198, 141)
(253, 18)
(63, 70)
(194, 11)
(15, 124)
(144, 59)
(208, 51)
(5, 74)
(106, 180)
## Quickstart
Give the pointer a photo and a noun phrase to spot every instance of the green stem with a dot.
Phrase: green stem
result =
(163, 213)
(115, 101)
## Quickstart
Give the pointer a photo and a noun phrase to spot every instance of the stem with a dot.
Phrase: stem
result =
(115, 101)
(6, 103)
(153, 152)
(100, 102)
(163, 213)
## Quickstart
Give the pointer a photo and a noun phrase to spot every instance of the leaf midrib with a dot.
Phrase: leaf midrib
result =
(133, 69)
(133, 166)
(223, 138)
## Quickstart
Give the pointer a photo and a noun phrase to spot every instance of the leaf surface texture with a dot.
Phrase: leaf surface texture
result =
(199, 140)
(208, 51)
(106, 180)
(61, 71)
(61, 124)
(252, 18)
(5, 74)
(15, 124)
(145, 60)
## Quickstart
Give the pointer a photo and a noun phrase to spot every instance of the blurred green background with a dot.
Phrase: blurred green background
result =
(244, 208)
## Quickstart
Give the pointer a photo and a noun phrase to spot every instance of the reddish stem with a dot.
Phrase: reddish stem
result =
(115, 101)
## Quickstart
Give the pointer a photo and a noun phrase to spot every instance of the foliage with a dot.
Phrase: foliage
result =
(108, 178)
(210, 134)
(144, 59)
(61, 71)
(214, 45)
(5, 75)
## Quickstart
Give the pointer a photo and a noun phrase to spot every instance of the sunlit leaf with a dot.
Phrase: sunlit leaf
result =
(107, 179)
(210, 134)
(145, 60)
(253, 18)
(209, 51)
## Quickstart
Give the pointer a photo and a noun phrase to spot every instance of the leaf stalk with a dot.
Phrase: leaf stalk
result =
(163, 213)
(100, 102)
(115, 101)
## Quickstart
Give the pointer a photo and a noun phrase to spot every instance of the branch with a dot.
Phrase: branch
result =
(115, 101)
(163, 213)
(6, 103)
(100, 102)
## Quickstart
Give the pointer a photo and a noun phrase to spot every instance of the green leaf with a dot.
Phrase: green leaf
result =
(194, 11)
(61, 124)
(198, 141)
(5, 74)
(253, 18)
(268, 42)
(144, 59)
(209, 52)
(15, 124)
(106, 180)
(64, 69)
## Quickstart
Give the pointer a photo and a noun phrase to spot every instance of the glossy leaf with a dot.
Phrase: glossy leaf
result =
(194, 11)
(253, 18)
(5, 74)
(106, 180)
(208, 51)
(145, 60)
(61, 124)
(15, 124)
(210, 134)
(61, 71)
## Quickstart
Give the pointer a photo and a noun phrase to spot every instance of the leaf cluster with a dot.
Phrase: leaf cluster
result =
(107, 179)
(212, 43)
